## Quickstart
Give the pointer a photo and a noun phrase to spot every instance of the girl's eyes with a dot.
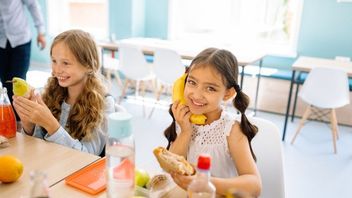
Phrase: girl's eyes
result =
(64, 63)
(210, 89)
(191, 82)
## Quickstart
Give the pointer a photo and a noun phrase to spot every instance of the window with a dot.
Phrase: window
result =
(272, 24)
(88, 15)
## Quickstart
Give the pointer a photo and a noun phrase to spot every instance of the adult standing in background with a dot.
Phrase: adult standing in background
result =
(15, 38)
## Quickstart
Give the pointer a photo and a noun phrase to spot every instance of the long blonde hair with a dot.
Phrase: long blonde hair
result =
(88, 111)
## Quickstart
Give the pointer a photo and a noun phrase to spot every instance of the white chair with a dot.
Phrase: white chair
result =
(167, 67)
(134, 67)
(267, 148)
(112, 66)
(324, 88)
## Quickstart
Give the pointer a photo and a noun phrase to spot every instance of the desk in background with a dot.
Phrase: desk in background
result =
(188, 51)
(305, 64)
(55, 160)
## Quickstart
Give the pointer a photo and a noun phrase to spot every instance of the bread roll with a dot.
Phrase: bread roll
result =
(171, 162)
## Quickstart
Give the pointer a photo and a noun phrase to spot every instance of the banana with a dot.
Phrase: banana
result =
(20, 87)
(178, 94)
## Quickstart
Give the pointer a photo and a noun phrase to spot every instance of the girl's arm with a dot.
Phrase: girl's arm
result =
(180, 145)
(95, 144)
(248, 178)
(34, 111)
(182, 115)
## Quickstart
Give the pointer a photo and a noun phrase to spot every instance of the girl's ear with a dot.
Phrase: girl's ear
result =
(230, 93)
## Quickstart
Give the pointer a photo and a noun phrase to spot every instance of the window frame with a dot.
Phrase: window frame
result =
(286, 50)
(58, 13)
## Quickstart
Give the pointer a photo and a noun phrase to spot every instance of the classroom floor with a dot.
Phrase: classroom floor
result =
(311, 168)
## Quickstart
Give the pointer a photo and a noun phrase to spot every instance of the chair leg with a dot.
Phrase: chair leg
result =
(157, 100)
(334, 124)
(143, 88)
(124, 89)
(334, 128)
(301, 123)
(118, 79)
(295, 103)
(108, 75)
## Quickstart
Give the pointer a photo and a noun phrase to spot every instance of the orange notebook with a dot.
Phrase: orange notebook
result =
(90, 179)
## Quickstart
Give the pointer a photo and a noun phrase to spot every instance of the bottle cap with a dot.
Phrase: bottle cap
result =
(119, 125)
(204, 161)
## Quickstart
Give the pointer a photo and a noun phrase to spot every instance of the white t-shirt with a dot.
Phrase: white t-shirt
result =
(212, 139)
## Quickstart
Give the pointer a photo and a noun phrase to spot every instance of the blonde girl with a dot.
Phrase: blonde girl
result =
(72, 109)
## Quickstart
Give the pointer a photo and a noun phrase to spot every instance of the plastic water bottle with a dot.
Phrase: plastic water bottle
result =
(201, 187)
(120, 154)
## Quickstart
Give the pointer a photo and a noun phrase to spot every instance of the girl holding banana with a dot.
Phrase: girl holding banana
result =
(200, 124)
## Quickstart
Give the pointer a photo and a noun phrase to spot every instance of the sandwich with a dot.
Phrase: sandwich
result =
(173, 163)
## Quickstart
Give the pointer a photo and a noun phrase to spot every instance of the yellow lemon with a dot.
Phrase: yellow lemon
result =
(141, 177)
(11, 168)
(20, 86)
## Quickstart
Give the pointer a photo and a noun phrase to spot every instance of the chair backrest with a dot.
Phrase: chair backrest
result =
(168, 65)
(326, 88)
(132, 62)
(110, 62)
(267, 148)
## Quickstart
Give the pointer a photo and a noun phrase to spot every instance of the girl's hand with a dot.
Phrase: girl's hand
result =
(182, 115)
(182, 180)
(35, 111)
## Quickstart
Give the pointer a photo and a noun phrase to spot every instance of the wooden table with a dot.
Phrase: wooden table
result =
(305, 64)
(55, 160)
(189, 50)
(63, 190)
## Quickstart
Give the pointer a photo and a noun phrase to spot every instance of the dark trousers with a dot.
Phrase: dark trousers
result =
(14, 62)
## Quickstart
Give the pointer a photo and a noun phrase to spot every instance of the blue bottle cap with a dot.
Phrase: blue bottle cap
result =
(119, 125)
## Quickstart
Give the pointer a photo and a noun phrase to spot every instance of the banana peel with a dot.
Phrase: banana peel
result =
(178, 94)
(20, 87)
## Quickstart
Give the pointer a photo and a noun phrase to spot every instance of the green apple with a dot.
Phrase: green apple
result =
(141, 177)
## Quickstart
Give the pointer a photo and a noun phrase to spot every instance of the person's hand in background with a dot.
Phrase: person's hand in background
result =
(41, 42)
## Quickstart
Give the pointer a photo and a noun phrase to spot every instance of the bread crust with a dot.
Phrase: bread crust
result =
(171, 162)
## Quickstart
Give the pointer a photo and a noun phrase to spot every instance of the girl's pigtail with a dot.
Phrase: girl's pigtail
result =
(241, 103)
(170, 132)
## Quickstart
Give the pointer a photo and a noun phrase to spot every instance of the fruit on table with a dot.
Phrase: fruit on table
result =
(141, 177)
(11, 168)
(178, 94)
(20, 87)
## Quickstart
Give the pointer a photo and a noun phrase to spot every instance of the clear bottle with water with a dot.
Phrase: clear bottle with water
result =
(39, 185)
(120, 155)
(201, 187)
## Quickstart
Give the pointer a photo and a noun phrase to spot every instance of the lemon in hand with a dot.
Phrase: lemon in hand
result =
(141, 177)
(20, 87)
(10, 168)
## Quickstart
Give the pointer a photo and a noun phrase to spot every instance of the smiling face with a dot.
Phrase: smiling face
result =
(65, 67)
(205, 90)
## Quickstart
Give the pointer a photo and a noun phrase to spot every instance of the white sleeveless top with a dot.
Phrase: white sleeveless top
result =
(211, 139)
